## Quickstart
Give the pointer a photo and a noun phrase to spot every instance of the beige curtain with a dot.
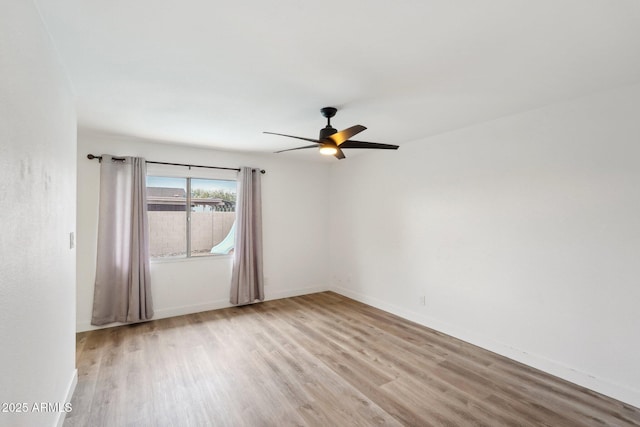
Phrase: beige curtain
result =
(247, 282)
(122, 288)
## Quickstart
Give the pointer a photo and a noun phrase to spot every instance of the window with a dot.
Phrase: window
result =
(206, 228)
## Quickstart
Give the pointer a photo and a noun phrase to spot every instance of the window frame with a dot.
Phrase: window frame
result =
(166, 171)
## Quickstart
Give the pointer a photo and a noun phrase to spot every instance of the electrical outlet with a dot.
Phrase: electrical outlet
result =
(423, 300)
(72, 240)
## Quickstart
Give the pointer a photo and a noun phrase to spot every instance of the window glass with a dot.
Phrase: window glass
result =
(213, 212)
(166, 206)
(206, 228)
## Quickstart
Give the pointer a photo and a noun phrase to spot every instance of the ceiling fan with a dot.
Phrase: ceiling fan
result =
(331, 142)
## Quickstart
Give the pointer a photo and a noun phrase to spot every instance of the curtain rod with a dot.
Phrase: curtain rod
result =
(91, 157)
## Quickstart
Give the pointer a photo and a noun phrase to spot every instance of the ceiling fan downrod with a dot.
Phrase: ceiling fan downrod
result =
(328, 112)
(328, 130)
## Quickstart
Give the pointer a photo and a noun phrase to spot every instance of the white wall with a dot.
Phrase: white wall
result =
(295, 205)
(37, 213)
(523, 234)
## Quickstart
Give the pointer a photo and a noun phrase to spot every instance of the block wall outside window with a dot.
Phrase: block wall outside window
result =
(173, 229)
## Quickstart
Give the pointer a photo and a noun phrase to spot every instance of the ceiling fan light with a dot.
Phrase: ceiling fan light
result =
(328, 149)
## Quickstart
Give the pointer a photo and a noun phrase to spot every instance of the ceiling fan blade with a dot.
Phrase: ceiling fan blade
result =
(340, 137)
(363, 144)
(339, 154)
(298, 148)
(296, 137)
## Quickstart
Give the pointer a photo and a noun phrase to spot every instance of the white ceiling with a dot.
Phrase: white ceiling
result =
(217, 74)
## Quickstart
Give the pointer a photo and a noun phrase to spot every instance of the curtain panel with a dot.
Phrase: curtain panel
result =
(122, 290)
(247, 281)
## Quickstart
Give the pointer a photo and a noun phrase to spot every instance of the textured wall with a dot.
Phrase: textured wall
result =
(37, 208)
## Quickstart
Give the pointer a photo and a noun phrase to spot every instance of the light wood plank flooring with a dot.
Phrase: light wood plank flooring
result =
(315, 360)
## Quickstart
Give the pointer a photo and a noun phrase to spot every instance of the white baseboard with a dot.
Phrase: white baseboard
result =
(163, 313)
(608, 388)
(190, 309)
(70, 389)
(294, 292)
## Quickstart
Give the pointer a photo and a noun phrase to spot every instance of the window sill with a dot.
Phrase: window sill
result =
(190, 259)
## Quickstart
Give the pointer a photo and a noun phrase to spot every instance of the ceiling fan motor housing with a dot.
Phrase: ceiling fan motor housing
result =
(326, 132)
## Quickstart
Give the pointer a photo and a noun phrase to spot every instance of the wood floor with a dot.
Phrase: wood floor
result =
(315, 360)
